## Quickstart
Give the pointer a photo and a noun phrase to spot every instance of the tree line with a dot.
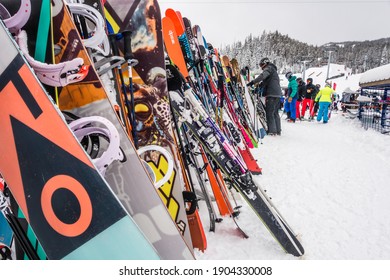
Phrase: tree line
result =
(291, 54)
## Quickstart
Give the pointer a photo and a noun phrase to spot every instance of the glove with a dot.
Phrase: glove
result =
(249, 84)
(289, 99)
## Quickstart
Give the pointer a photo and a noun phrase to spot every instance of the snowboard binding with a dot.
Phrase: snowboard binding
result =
(5, 252)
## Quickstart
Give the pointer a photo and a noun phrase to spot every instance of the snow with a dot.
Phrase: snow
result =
(376, 75)
(331, 184)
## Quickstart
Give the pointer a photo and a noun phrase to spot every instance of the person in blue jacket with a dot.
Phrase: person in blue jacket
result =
(292, 95)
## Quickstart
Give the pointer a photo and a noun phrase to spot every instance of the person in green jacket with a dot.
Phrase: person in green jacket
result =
(292, 95)
(324, 98)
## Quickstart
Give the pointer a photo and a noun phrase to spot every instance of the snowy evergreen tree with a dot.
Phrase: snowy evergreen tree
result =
(289, 54)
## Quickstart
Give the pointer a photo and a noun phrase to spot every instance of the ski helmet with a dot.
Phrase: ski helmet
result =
(264, 62)
(288, 75)
(309, 80)
(299, 80)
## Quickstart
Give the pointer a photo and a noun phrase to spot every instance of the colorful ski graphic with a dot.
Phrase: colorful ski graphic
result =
(152, 111)
(70, 207)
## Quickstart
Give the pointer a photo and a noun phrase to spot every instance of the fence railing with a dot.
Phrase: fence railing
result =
(374, 109)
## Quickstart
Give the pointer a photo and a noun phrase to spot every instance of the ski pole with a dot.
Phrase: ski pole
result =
(131, 61)
(115, 52)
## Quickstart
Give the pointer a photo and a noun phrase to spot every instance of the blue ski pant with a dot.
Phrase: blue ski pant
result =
(291, 107)
(323, 111)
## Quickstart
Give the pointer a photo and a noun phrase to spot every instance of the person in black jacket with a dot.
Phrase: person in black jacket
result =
(316, 104)
(310, 95)
(301, 95)
(272, 92)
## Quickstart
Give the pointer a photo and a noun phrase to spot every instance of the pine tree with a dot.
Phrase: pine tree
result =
(287, 53)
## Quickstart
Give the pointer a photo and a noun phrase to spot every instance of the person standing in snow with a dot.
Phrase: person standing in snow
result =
(310, 95)
(272, 92)
(301, 95)
(292, 95)
(324, 98)
(316, 105)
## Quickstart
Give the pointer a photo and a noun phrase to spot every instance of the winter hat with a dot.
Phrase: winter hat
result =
(309, 80)
(299, 79)
(288, 75)
(263, 62)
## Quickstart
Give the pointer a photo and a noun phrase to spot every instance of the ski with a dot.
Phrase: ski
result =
(205, 132)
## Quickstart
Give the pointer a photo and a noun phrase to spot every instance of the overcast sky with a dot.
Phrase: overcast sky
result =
(314, 22)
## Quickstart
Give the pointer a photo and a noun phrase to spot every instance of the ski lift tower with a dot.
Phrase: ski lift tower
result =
(329, 49)
(305, 59)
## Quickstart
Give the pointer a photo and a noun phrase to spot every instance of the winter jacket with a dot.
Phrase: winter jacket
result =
(270, 79)
(292, 88)
(325, 95)
(311, 91)
(301, 91)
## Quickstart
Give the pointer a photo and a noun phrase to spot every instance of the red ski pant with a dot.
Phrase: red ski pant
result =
(305, 103)
(297, 107)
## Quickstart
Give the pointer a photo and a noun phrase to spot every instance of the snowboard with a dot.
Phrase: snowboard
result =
(152, 111)
(129, 179)
(37, 25)
(69, 205)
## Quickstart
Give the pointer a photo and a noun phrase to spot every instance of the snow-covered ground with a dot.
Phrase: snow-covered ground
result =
(330, 182)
